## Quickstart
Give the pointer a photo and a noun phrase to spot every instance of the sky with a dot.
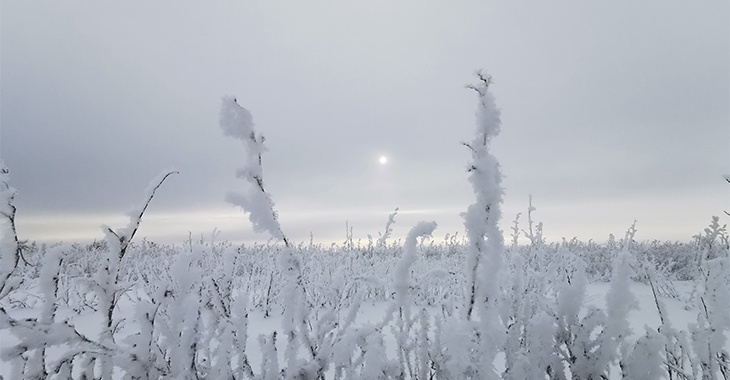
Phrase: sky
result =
(612, 112)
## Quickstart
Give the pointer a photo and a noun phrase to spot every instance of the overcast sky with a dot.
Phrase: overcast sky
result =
(612, 111)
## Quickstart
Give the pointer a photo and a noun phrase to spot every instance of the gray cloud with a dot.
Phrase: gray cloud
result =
(611, 107)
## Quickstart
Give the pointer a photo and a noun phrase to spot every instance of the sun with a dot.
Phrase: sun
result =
(383, 160)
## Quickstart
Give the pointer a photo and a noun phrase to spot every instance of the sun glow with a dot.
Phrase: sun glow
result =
(383, 160)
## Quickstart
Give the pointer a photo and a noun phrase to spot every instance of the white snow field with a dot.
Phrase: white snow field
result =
(197, 310)
(458, 308)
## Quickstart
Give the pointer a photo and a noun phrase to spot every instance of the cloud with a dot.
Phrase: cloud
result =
(602, 104)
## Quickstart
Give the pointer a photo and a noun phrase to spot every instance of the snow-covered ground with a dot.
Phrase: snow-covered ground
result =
(336, 281)
(420, 309)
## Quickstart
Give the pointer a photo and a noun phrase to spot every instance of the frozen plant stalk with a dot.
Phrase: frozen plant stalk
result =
(485, 239)
(388, 229)
(237, 122)
(486, 243)
(9, 245)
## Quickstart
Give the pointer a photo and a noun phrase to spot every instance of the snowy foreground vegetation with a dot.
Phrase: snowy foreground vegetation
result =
(471, 307)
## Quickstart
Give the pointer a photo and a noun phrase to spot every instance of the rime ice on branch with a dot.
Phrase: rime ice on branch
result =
(486, 244)
(10, 253)
(124, 236)
(237, 122)
(485, 239)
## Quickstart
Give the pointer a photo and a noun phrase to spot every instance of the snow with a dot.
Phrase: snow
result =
(7, 193)
(9, 252)
(471, 309)
(361, 325)
(237, 122)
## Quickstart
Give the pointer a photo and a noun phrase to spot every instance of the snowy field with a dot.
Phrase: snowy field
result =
(475, 307)
(186, 310)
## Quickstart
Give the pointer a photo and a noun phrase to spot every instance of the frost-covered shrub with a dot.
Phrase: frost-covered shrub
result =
(465, 307)
(339, 280)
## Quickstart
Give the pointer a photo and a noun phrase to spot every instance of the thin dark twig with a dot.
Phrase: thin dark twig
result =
(123, 240)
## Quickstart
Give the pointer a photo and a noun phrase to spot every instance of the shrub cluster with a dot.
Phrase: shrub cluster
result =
(460, 309)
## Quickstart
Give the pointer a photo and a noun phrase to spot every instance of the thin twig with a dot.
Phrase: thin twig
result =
(139, 217)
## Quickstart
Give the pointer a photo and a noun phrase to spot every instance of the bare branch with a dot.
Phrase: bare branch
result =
(486, 81)
(468, 146)
(125, 239)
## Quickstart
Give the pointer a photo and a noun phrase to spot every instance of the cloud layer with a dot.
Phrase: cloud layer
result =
(612, 112)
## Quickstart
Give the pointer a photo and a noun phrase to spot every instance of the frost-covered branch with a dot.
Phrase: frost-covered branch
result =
(402, 275)
(485, 239)
(388, 229)
(126, 234)
(10, 249)
(106, 280)
(534, 234)
(402, 285)
(237, 122)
